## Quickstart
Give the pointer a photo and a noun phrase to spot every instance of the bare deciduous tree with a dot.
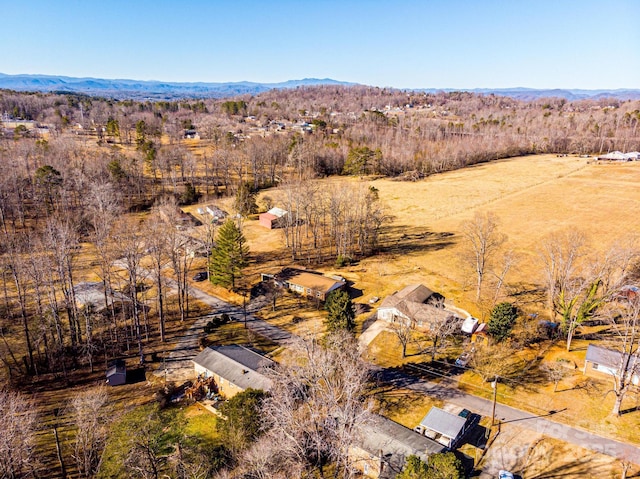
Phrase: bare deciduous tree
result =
(90, 415)
(556, 372)
(624, 316)
(403, 331)
(18, 422)
(317, 406)
(130, 248)
(482, 240)
(579, 283)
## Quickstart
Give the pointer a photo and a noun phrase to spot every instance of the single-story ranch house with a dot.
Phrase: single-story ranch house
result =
(307, 283)
(385, 446)
(415, 304)
(234, 368)
(602, 361)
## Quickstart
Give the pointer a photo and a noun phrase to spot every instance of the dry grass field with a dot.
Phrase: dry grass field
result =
(531, 196)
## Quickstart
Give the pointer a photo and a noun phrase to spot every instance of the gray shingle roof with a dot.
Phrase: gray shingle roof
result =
(410, 302)
(443, 422)
(396, 443)
(414, 293)
(606, 357)
(236, 364)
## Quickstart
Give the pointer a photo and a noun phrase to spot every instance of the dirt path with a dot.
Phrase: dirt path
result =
(178, 367)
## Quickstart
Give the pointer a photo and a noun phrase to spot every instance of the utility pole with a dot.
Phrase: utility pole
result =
(244, 307)
(494, 385)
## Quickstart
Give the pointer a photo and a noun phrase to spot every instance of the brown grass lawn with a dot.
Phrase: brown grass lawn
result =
(531, 196)
(552, 458)
(581, 401)
(403, 405)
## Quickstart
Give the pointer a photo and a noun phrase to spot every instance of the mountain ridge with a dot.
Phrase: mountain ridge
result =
(156, 89)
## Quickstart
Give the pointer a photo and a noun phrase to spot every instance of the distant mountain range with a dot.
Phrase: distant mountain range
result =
(157, 90)
(533, 93)
(147, 89)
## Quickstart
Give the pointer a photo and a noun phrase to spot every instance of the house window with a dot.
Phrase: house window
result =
(595, 365)
(308, 290)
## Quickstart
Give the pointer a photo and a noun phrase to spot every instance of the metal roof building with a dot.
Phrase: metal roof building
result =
(446, 428)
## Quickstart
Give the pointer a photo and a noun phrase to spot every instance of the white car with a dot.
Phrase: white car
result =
(505, 475)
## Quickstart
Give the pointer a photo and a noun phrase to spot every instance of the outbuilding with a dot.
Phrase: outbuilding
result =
(116, 372)
(272, 218)
(443, 427)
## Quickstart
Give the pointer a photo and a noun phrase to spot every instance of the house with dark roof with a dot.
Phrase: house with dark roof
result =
(384, 447)
(415, 304)
(234, 368)
(609, 362)
(443, 427)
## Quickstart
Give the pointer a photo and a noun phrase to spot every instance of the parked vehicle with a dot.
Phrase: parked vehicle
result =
(463, 360)
(201, 276)
(505, 475)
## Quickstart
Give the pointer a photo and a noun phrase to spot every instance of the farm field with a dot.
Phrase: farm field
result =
(531, 196)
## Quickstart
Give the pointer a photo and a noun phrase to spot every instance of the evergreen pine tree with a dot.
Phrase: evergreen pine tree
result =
(503, 317)
(341, 313)
(229, 256)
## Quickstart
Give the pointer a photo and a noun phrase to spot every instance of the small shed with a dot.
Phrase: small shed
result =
(217, 215)
(272, 218)
(443, 427)
(116, 372)
(481, 334)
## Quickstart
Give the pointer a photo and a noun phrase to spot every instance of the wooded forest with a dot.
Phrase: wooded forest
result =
(94, 184)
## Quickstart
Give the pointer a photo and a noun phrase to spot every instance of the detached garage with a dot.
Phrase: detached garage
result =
(272, 218)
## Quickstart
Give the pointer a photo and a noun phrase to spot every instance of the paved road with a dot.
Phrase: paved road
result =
(178, 367)
(540, 424)
(180, 363)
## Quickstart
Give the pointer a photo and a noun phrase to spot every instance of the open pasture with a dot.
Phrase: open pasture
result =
(531, 196)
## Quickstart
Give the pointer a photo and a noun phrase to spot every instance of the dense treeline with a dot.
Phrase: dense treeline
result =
(64, 198)
(103, 157)
(413, 132)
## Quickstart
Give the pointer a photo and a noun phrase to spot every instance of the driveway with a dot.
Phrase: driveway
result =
(178, 366)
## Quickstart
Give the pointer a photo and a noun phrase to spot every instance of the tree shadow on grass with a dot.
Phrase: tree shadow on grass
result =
(404, 239)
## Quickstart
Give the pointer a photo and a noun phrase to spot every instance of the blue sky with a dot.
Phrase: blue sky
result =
(399, 43)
